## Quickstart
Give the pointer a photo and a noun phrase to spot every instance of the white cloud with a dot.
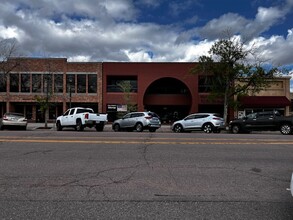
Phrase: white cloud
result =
(102, 31)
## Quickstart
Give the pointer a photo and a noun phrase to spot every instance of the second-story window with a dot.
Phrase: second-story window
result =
(47, 83)
(70, 83)
(205, 84)
(81, 83)
(58, 83)
(37, 82)
(2, 82)
(25, 82)
(14, 82)
(92, 83)
(119, 83)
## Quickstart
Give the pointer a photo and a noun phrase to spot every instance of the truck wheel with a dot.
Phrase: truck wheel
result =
(79, 126)
(286, 129)
(58, 126)
(139, 127)
(235, 129)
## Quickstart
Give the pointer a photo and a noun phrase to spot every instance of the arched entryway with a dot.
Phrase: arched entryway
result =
(169, 98)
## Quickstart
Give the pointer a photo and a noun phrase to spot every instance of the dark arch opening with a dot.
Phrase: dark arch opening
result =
(170, 98)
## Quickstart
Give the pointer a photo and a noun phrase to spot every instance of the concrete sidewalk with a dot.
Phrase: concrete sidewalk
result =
(108, 127)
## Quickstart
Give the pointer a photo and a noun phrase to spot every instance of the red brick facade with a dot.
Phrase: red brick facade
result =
(26, 103)
(169, 89)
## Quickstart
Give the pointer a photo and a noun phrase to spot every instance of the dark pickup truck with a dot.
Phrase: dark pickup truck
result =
(262, 121)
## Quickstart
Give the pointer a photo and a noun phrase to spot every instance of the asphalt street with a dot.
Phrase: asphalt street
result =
(45, 174)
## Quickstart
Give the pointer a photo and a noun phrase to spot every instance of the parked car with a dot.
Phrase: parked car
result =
(262, 121)
(13, 120)
(79, 118)
(138, 121)
(207, 122)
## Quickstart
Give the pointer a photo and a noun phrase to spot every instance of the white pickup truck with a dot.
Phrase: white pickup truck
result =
(79, 118)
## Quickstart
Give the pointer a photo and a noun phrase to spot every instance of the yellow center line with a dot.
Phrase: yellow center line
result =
(145, 142)
(195, 139)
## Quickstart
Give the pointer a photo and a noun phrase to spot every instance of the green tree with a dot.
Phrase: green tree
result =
(8, 50)
(126, 88)
(232, 74)
(45, 100)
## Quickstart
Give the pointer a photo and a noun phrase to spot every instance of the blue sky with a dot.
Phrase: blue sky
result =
(147, 30)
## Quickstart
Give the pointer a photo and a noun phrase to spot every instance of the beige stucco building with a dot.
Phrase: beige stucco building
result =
(275, 97)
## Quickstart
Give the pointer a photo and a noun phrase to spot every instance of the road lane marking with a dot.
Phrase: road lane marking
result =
(145, 142)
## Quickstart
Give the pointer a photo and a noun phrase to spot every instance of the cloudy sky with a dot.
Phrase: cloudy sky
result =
(146, 30)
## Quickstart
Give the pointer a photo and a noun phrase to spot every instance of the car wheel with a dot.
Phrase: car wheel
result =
(58, 125)
(116, 127)
(79, 126)
(139, 127)
(208, 128)
(178, 128)
(235, 129)
(286, 129)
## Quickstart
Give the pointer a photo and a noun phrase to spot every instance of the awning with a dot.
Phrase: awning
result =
(265, 101)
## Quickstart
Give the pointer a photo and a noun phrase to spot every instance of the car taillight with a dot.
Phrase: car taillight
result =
(5, 117)
(86, 116)
(215, 118)
(148, 117)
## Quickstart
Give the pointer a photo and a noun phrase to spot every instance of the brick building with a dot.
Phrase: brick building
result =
(169, 89)
(64, 83)
(166, 88)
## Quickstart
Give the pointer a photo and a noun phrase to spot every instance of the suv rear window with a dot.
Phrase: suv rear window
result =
(152, 114)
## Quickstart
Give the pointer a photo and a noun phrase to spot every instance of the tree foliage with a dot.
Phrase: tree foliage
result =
(232, 74)
(126, 88)
(8, 49)
(44, 100)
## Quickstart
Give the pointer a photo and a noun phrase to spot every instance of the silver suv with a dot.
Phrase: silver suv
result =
(207, 122)
(138, 121)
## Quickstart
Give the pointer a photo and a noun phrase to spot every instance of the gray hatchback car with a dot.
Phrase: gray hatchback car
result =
(138, 121)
